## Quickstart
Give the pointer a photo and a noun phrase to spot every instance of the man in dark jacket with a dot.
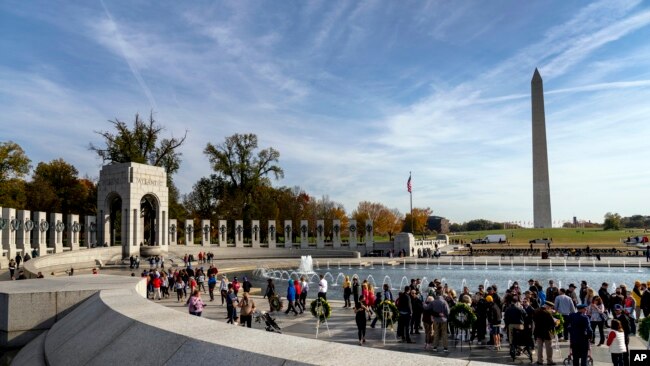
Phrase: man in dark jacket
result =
(645, 300)
(543, 332)
(581, 334)
(416, 319)
(514, 318)
(603, 292)
(494, 319)
(405, 312)
(551, 291)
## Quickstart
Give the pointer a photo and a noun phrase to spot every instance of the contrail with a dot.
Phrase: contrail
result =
(132, 66)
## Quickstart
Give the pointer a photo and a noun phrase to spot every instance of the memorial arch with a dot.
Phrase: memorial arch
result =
(132, 207)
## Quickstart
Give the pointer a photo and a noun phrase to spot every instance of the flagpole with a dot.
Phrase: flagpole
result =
(411, 197)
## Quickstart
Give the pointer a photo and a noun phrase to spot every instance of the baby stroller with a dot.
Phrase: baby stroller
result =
(521, 344)
(271, 325)
(568, 361)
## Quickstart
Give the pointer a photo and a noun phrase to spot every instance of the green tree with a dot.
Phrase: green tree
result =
(612, 221)
(140, 145)
(420, 216)
(55, 187)
(14, 163)
(235, 160)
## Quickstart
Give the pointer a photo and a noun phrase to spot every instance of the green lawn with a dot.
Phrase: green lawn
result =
(559, 235)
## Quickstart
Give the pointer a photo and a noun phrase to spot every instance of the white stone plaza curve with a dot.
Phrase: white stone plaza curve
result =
(109, 321)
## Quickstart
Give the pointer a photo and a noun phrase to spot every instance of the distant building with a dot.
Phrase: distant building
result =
(439, 224)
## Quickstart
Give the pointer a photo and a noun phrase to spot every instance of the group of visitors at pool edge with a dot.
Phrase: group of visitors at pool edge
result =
(532, 314)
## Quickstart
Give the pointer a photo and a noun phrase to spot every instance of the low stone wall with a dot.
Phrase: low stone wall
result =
(118, 326)
(86, 258)
(32, 306)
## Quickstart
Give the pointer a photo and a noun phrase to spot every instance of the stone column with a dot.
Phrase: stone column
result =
(320, 234)
(287, 229)
(90, 231)
(239, 233)
(41, 226)
(304, 234)
(273, 228)
(223, 233)
(370, 237)
(353, 230)
(104, 228)
(24, 235)
(255, 233)
(56, 232)
(205, 233)
(74, 228)
(9, 233)
(189, 232)
(336, 233)
(173, 232)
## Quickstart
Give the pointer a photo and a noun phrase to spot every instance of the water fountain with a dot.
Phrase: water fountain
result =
(341, 275)
(499, 263)
(639, 270)
(593, 264)
(371, 280)
(512, 265)
(486, 265)
(360, 266)
(388, 281)
(463, 283)
(462, 262)
(608, 268)
(306, 264)
(339, 263)
(382, 263)
(486, 284)
(550, 265)
(403, 283)
(474, 263)
(328, 264)
(524, 263)
(317, 266)
(579, 265)
(450, 263)
(537, 263)
(328, 277)
(427, 263)
(624, 270)
(404, 262)
(349, 265)
(565, 265)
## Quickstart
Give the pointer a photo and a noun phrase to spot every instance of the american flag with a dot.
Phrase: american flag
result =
(408, 185)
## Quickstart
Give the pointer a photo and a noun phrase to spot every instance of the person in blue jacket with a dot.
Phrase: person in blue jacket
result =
(580, 335)
(291, 298)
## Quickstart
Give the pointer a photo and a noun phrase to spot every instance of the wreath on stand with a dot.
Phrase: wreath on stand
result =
(559, 328)
(275, 303)
(394, 313)
(326, 312)
(462, 316)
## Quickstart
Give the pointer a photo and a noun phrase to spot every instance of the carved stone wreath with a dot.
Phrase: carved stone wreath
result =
(76, 227)
(303, 228)
(59, 227)
(206, 230)
(320, 229)
(29, 225)
(16, 225)
(336, 229)
(43, 226)
(3, 223)
(172, 229)
(189, 229)
(369, 228)
(222, 229)
(353, 228)
(271, 229)
(93, 227)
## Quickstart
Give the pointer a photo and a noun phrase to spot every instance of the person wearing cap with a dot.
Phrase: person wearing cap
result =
(619, 315)
(581, 334)
(494, 319)
(564, 305)
(543, 332)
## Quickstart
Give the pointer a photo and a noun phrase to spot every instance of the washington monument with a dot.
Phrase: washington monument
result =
(541, 190)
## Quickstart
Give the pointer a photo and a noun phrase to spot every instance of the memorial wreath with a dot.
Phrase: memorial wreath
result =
(462, 316)
(394, 313)
(326, 309)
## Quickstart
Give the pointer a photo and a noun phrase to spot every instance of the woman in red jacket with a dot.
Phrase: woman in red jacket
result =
(296, 284)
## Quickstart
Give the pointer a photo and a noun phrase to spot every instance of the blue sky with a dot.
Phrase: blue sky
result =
(354, 95)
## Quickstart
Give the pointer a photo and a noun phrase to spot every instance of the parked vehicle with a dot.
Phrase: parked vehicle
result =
(541, 241)
(493, 238)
